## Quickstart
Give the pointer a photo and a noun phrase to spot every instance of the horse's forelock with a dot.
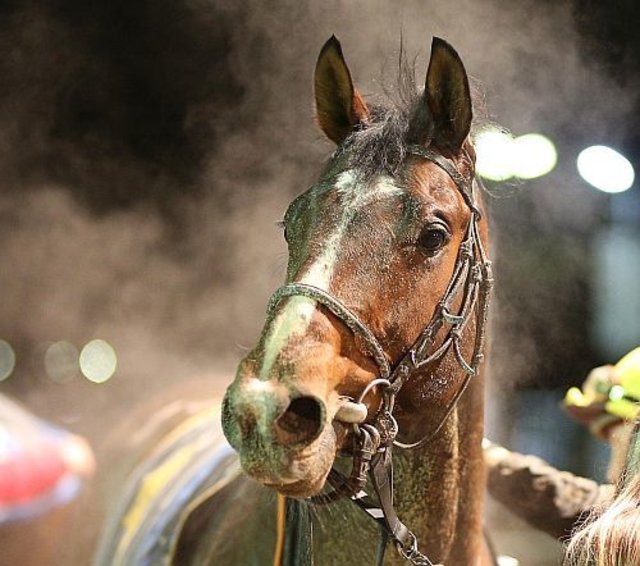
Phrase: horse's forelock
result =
(380, 146)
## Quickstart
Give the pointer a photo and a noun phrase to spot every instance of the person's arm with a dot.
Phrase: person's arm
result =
(549, 499)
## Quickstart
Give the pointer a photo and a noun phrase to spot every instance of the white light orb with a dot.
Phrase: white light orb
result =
(534, 155)
(61, 361)
(495, 158)
(98, 361)
(7, 360)
(605, 169)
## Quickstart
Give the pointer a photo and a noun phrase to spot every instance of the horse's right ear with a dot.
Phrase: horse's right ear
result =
(339, 106)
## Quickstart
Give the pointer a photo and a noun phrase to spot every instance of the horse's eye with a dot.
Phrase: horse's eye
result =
(433, 238)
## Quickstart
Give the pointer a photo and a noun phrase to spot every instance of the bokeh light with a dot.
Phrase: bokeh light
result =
(605, 169)
(534, 155)
(7, 359)
(98, 361)
(494, 149)
(501, 156)
(61, 361)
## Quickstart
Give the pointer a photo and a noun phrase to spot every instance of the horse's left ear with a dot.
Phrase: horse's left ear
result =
(339, 106)
(448, 96)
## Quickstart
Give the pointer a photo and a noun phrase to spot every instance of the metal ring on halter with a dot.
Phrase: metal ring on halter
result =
(371, 385)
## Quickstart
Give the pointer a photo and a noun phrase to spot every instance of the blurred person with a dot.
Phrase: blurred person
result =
(610, 534)
(43, 471)
(602, 521)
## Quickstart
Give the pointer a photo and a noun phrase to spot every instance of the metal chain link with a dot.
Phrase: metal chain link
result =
(411, 553)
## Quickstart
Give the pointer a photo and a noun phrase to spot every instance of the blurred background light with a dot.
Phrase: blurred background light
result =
(61, 361)
(494, 150)
(7, 359)
(605, 169)
(534, 155)
(501, 156)
(98, 361)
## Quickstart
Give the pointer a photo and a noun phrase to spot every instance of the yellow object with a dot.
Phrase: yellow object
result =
(624, 397)
(281, 516)
(576, 398)
(628, 370)
(621, 399)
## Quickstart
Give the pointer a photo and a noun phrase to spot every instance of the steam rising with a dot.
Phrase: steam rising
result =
(146, 151)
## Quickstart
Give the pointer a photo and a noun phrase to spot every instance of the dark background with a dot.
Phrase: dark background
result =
(148, 148)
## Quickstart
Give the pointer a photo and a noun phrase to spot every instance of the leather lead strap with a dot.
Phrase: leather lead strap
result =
(382, 480)
(382, 511)
(404, 539)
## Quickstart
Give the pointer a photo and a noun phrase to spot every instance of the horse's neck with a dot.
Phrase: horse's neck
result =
(439, 487)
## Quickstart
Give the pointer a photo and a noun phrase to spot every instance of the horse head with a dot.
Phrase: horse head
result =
(381, 232)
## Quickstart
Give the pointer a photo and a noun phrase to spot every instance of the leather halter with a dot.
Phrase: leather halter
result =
(472, 275)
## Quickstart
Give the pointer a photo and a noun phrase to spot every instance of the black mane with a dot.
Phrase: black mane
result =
(381, 145)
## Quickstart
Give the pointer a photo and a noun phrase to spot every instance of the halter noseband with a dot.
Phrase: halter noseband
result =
(472, 275)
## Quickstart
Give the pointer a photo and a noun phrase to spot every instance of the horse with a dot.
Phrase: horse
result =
(358, 417)
(379, 328)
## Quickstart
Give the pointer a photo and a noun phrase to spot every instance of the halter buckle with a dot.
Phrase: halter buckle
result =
(387, 427)
(368, 442)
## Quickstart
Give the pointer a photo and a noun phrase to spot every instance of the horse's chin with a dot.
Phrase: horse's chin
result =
(305, 471)
(300, 489)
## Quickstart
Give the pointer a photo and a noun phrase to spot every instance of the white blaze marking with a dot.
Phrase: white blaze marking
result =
(295, 317)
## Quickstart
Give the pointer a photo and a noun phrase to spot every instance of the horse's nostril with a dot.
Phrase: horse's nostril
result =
(238, 423)
(301, 422)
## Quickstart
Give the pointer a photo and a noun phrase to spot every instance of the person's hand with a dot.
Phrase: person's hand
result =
(588, 405)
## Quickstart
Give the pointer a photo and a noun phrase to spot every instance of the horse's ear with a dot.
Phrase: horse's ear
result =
(339, 106)
(447, 96)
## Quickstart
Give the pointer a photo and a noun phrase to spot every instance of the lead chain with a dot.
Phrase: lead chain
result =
(411, 553)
